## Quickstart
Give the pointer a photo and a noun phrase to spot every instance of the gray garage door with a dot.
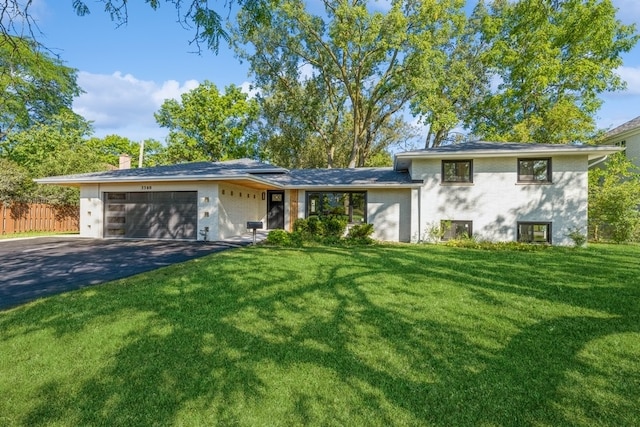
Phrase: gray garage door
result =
(157, 215)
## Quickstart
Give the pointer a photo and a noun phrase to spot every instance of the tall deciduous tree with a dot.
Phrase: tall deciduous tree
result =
(35, 86)
(451, 78)
(550, 59)
(614, 197)
(53, 148)
(209, 125)
(349, 67)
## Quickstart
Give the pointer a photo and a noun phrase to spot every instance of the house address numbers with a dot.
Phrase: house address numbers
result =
(146, 187)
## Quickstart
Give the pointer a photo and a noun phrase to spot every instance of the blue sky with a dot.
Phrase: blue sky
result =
(127, 72)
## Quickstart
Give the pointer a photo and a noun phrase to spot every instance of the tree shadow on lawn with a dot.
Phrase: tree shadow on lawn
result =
(324, 344)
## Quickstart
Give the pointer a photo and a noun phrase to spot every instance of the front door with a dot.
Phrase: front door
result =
(275, 209)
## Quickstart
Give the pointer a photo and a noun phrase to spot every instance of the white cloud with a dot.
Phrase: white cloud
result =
(249, 89)
(631, 75)
(122, 104)
(628, 10)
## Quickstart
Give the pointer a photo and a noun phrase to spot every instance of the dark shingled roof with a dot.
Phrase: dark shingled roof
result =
(630, 125)
(342, 177)
(495, 146)
(196, 169)
(246, 168)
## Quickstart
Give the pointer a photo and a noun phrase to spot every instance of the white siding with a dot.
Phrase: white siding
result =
(631, 139)
(495, 202)
(225, 215)
(389, 210)
(91, 211)
(633, 148)
(208, 212)
(236, 206)
(390, 213)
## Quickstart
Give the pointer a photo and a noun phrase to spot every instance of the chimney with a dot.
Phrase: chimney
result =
(125, 161)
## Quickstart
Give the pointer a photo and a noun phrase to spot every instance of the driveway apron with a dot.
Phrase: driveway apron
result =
(34, 268)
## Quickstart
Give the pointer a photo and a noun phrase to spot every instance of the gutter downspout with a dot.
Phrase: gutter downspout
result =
(597, 162)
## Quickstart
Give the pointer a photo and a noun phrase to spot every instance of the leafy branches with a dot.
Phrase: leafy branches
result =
(614, 199)
(35, 86)
(551, 60)
(348, 67)
(209, 125)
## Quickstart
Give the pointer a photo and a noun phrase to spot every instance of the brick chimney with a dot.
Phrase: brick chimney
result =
(125, 161)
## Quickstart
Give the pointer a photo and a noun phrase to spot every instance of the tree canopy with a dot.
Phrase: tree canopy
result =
(336, 81)
(331, 82)
(614, 197)
(208, 125)
(550, 59)
(35, 86)
(345, 72)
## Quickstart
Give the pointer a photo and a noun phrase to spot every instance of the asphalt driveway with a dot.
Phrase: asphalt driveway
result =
(33, 268)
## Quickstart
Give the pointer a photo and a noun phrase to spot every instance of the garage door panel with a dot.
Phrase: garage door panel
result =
(159, 215)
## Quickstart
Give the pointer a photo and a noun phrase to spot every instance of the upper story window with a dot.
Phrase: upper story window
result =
(457, 171)
(622, 144)
(534, 170)
(352, 204)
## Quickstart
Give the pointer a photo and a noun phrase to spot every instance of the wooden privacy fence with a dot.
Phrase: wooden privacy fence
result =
(25, 217)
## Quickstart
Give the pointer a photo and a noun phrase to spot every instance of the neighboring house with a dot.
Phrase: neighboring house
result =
(626, 135)
(492, 191)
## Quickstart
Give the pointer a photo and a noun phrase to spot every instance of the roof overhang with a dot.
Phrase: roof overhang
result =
(244, 179)
(351, 186)
(402, 161)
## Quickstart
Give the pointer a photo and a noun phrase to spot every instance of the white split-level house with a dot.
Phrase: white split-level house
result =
(490, 191)
(626, 135)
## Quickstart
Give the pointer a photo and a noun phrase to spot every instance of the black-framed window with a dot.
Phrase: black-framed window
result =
(456, 229)
(534, 232)
(534, 170)
(351, 204)
(457, 171)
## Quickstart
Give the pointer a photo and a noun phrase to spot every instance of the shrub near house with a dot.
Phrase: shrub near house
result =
(322, 229)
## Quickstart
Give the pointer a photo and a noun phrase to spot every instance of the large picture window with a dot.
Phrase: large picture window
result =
(456, 230)
(457, 171)
(352, 204)
(534, 170)
(534, 232)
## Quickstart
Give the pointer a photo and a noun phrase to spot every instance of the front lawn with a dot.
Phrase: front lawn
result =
(367, 336)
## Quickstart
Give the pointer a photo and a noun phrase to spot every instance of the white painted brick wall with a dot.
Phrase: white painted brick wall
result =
(237, 206)
(92, 206)
(389, 210)
(495, 202)
(390, 213)
(91, 211)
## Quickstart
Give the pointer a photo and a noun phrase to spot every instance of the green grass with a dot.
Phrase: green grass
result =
(382, 335)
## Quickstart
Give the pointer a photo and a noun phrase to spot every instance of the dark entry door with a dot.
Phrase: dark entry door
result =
(275, 209)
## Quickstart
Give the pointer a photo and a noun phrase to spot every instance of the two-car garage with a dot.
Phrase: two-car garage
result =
(151, 214)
